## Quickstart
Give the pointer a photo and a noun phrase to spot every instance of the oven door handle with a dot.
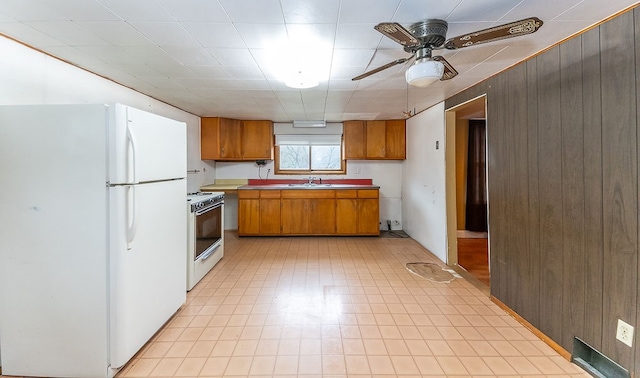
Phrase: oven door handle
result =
(205, 210)
(208, 254)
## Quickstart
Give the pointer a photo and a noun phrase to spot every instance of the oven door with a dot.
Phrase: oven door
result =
(208, 231)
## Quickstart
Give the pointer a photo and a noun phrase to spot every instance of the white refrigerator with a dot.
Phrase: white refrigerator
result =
(92, 235)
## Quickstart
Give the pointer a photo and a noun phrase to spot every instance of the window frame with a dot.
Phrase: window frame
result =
(341, 171)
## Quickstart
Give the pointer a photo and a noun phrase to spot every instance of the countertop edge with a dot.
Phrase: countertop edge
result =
(300, 187)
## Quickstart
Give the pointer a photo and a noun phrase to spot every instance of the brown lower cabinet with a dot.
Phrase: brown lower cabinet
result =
(308, 212)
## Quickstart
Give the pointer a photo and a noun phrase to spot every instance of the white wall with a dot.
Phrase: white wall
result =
(386, 174)
(30, 77)
(423, 181)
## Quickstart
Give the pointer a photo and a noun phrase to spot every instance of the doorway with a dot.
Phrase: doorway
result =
(467, 231)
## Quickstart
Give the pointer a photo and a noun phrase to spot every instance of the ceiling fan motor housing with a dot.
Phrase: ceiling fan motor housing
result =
(432, 32)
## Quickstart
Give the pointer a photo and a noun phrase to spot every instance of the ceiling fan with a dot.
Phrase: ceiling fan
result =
(425, 36)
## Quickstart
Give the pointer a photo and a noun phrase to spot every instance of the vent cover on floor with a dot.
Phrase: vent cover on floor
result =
(596, 363)
(432, 272)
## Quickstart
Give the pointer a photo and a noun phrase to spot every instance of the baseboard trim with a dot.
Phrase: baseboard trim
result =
(555, 346)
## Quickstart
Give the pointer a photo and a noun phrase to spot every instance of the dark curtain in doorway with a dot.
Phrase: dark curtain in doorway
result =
(476, 216)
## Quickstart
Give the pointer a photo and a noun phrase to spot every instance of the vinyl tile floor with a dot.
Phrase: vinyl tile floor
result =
(343, 307)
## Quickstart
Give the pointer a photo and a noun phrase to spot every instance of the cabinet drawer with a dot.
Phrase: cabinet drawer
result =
(309, 193)
(368, 193)
(248, 194)
(347, 193)
(269, 194)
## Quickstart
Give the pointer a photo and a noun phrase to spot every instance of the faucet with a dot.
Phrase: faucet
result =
(311, 178)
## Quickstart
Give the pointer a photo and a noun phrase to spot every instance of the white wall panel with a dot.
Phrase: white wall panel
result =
(423, 181)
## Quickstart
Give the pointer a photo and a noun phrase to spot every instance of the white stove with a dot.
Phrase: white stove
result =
(205, 234)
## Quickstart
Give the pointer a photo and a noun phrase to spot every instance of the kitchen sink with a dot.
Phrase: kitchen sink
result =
(308, 185)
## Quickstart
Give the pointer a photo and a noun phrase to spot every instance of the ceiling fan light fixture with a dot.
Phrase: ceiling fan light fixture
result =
(424, 73)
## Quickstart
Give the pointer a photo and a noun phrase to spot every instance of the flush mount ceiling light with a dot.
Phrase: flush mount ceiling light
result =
(424, 73)
(300, 79)
(301, 61)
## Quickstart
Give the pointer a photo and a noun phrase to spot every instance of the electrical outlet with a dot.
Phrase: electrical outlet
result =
(357, 171)
(624, 333)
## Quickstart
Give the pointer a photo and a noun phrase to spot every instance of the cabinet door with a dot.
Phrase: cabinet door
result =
(209, 138)
(395, 139)
(248, 216)
(257, 140)
(354, 139)
(376, 139)
(269, 216)
(295, 216)
(368, 216)
(346, 216)
(322, 216)
(230, 134)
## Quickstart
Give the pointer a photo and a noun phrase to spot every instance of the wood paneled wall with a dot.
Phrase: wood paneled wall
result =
(563, 139)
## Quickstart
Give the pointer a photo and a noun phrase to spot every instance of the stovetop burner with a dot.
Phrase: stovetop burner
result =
(197, 200)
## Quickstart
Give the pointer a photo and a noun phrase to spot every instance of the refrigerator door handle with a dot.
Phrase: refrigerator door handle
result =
(132, 142)
(132, 219)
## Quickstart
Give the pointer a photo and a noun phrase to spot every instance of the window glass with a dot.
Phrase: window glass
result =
(325, 158)
(294, 157)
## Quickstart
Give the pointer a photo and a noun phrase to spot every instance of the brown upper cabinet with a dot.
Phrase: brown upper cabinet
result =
(234, 140)
(375, 140)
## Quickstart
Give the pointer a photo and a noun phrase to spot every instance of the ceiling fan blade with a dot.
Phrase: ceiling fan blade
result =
(449, 71)
(381, 68)
(397, 32)
(512, 29)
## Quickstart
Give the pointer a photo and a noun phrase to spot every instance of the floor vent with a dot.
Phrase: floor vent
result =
(596, 363)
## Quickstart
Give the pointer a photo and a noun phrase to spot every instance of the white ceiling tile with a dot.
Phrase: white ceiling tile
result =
(68, 32)
(368, 11)
(487, 10)
(357, 36)
(211, 72)
(251, 72)
(263, 36)
(253, 85)
(352, 57)
(545, 10)
(232, 57)
(267, 61)
(109, 54)
(161, 82)
(166, 34)
(137, 69)
(312, 35)
(77, 56)
(31, 10)
(196, 10)
(82, 10)
(310, 12)
(254, 12)
(7, 18)
(347, 84)
(29, 35)
(139, 10)
(117, 33)
(192, 56)
(412, 11)
(593, 10)
(215, 35)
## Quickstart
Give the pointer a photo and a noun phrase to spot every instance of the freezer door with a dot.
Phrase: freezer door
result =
(147, 265)
(145, 147)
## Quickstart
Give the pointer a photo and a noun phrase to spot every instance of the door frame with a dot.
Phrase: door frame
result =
(451, 116)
